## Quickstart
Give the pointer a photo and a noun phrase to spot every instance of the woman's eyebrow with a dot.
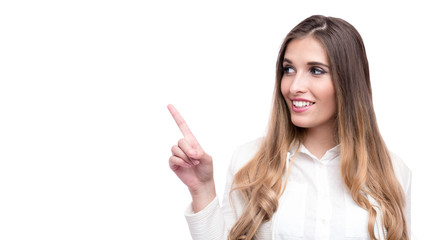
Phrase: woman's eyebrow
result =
(287, 60)
(309, 63)
(317, 63)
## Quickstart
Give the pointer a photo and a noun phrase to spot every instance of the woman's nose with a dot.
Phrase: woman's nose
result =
(298, 84)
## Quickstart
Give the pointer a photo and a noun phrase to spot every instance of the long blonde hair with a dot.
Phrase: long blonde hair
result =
(366, 166)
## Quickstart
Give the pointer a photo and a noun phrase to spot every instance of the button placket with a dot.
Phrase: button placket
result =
(323, 203)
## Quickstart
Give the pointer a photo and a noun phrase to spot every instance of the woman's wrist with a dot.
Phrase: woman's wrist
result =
(203, 196)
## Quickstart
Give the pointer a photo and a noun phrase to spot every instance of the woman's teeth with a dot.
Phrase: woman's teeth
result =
(300, 104)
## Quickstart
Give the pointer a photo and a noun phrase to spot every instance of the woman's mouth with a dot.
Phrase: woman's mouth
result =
(300, 106)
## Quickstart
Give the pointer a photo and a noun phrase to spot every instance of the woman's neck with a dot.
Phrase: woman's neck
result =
(320, 139)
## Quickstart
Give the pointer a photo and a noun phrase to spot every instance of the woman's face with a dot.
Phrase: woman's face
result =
(307, 84)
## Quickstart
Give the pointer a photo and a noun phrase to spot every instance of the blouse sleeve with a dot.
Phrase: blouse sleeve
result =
(208, 223)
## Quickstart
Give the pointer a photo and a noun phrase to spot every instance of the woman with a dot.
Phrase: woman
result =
(322, 171)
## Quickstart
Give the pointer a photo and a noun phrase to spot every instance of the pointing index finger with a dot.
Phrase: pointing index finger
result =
(182, 125)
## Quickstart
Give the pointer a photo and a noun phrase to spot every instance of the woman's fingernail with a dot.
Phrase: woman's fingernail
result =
(196, 162)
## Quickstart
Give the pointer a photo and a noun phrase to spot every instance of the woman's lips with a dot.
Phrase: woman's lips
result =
(301, 105)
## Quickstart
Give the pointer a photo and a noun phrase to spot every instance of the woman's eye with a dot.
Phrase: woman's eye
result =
(288, 70)
(317, 71)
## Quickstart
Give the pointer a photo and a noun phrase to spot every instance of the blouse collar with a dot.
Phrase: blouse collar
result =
(329, 155)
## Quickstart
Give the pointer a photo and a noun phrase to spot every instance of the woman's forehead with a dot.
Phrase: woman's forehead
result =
(307, 49)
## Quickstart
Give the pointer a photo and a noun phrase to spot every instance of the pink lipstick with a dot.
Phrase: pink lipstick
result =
(300, 105)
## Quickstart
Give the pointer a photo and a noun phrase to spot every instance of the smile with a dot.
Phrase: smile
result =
(301, 104)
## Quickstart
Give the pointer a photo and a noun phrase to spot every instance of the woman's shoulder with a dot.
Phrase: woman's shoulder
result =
(403, 173)
(244, 153)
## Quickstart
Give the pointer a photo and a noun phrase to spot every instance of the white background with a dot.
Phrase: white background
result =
(85, 134)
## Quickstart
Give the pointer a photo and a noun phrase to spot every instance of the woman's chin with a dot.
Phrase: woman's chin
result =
(301, 123)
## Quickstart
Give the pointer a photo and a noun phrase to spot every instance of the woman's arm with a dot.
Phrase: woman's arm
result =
(215, 222)
(192, 165)
(206, 218)
(194, 168)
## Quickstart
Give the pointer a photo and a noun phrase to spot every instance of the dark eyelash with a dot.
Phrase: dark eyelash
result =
(317, 69)
(284, 68)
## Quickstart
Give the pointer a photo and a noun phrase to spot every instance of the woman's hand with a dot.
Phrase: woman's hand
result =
(192, 165)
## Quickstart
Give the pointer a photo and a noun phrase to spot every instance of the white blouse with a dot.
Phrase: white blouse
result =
(315, 204)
